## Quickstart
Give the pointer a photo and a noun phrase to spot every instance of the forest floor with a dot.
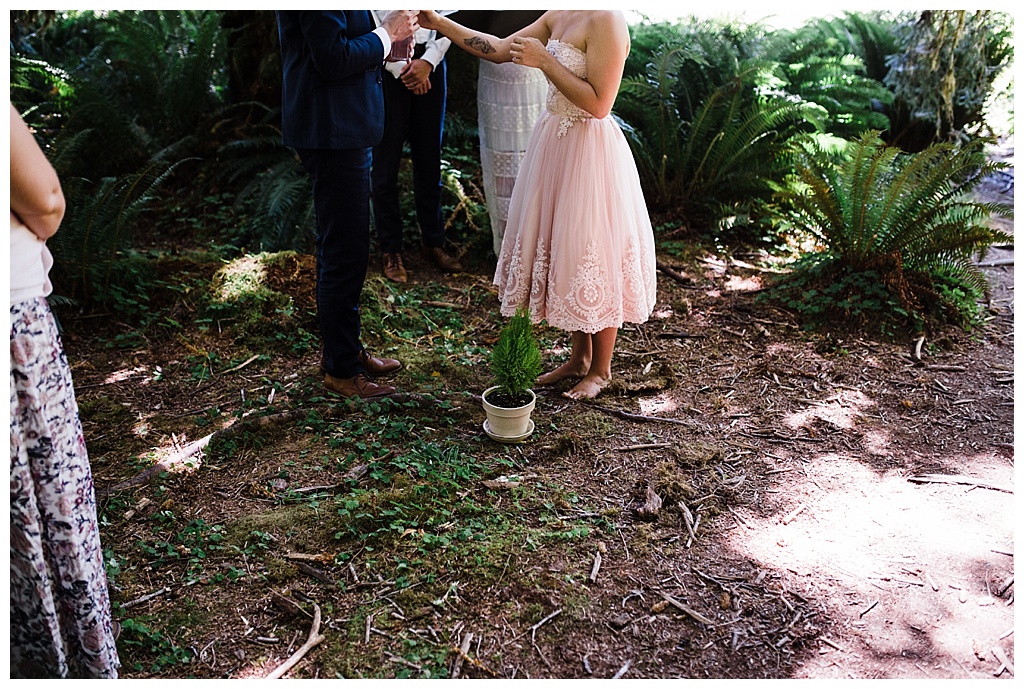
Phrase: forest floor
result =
(833, 507)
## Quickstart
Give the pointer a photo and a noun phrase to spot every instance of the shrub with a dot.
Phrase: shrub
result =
(98, 228)
(730, 155)
(142, 83)
(901, 221)
(275, 198)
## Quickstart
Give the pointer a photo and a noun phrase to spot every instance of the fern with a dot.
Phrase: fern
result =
(906, 217)
(275, 192)
(734, 151)
(98, 227)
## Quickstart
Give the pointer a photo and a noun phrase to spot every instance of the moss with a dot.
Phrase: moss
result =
(640, 541)
(670, 483)
(280, 571)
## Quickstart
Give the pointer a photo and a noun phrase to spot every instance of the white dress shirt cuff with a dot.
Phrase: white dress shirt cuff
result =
(385, 39)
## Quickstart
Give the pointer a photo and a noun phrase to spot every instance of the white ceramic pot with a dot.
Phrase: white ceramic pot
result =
(509, 425)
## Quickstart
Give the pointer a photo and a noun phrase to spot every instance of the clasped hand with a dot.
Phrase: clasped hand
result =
(416, 76)
(528, 51)
(428, 19)
(401, 23)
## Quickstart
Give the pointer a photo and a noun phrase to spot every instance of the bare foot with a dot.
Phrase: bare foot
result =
(587, 388)
(570, 369)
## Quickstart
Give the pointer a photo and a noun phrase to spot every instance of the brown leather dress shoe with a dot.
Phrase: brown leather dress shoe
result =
(443, 260)
(360, 385)
(393, 269)
(379, 365)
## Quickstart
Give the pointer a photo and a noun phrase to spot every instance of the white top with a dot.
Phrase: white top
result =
(30, 264)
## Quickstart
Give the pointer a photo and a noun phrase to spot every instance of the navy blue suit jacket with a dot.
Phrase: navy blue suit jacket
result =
(332, 96)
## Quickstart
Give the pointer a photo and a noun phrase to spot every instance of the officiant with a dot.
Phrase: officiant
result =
(415, 93)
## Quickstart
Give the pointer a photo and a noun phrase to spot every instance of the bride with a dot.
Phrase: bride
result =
(578, 249)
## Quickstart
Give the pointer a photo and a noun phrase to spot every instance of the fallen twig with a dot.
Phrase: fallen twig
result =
(286, 604)
(792, 515)
(636, 417)
(652, 446)
(314, 638)
(833, 644)
(242, 365)
(475, 662)
(674, 274)
(353, 474)
(317, 574)
(692, 613)
(688, 520)
(623, 670)
(916, 353)
(1006, 587)
(739, 517)
(534, 628)
(678, 334)
(1001, 656)
(323, 558)
(398, 659)
(463, 653)
(953, 478)
(148, 596)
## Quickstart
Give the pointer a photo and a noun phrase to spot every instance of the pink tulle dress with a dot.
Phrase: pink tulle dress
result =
(578, 249)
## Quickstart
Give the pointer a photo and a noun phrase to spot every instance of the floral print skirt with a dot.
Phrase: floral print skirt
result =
(60, 607)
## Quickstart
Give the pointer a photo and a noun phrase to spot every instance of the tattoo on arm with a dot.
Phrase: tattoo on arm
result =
(480, 44)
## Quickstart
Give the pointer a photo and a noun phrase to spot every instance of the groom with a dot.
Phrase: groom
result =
(333, 114)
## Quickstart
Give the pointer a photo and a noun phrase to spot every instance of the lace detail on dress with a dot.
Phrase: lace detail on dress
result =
(576, 61)
(514, 291)
(635, 292)
(589, 290)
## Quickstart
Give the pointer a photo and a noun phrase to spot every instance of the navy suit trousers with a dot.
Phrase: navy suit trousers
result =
(420, 120)
(341, 196)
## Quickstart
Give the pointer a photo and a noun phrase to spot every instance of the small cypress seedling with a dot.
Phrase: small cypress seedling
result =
(515, 361)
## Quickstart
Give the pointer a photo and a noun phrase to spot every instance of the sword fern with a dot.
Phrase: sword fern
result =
(908, 218)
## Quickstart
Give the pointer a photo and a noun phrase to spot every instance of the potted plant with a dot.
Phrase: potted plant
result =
(515, 364)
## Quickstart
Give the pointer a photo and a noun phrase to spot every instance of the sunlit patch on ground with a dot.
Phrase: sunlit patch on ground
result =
(877, 441)
(737, 283)
(841, 410)
(124, 374)
(242, 276)
(659, 404)
(559, 350)
(915, 564)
